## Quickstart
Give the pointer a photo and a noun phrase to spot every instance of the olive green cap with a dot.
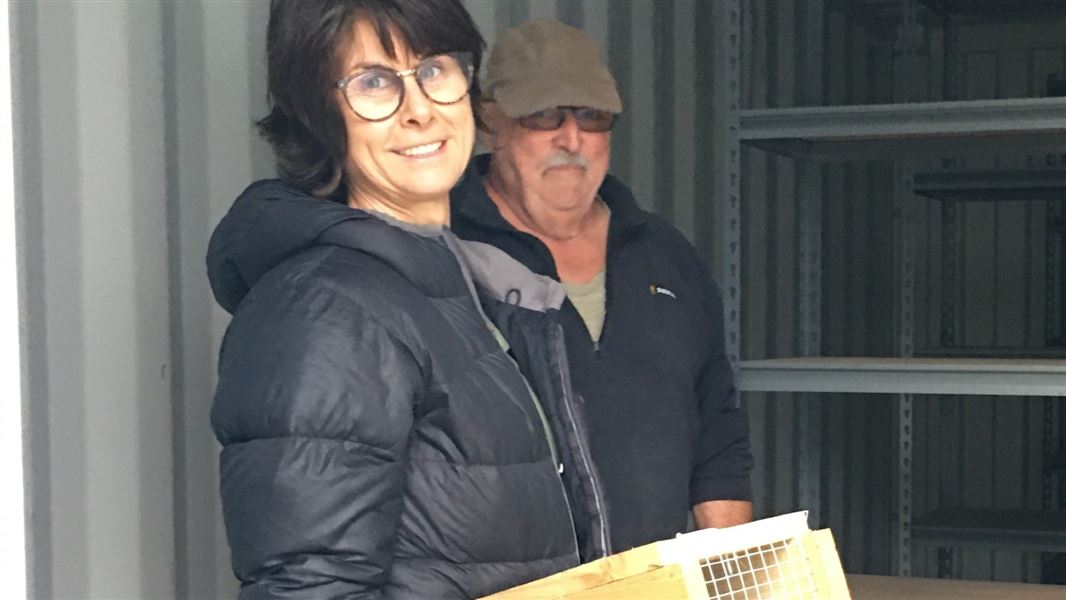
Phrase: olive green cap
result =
(543, 64)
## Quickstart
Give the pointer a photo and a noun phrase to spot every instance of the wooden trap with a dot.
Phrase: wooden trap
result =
(778, 558)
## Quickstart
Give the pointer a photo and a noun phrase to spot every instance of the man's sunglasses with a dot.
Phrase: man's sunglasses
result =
(591, 120)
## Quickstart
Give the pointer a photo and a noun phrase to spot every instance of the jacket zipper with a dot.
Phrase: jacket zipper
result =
(558, 466)
(582, 451)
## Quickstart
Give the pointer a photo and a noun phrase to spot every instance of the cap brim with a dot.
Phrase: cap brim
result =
(527, 97)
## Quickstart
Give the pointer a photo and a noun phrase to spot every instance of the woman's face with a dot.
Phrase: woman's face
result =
(416, 155)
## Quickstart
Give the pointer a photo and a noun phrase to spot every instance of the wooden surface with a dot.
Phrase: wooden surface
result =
(877, 587)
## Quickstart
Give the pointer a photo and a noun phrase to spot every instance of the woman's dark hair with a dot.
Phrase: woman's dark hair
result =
(305, 43)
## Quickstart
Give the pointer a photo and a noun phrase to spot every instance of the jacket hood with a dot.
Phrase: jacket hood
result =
(272, 221)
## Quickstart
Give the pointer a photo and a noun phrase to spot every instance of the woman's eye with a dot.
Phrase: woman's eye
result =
(430, 70)
(372, 83)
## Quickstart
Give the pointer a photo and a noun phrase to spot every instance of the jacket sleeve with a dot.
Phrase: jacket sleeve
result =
(723, 464)
(313, 409)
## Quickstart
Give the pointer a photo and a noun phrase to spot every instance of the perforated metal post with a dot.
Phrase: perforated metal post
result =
(949, 289)
(809, 195)
(910, 34)
(905, 218)
(1052, 299)
(1048, 445)
(809, 426)
(726, 28)
(1059, 294)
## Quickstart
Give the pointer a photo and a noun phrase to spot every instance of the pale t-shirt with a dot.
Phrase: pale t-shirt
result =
(590, 300)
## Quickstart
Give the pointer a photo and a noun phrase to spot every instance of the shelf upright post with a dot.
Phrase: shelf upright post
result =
(950, 250)
(1060, 300)
(809, 186)
(904, 174)
(726, 31)
(1054, 296)
(1048, 445)
(910, 33)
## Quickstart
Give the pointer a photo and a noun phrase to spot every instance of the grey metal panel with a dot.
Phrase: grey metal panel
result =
(906, 376)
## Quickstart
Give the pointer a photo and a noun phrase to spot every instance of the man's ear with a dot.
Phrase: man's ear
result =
(490, 120)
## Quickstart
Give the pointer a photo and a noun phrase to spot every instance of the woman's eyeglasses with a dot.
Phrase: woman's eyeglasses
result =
(375, 94)
(592, 120)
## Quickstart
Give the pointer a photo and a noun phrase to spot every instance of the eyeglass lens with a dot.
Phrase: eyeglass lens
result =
(376, 94)
(590, 120)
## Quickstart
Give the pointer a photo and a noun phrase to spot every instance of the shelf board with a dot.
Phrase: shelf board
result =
(1034, 184)
(1035, 531)
(993, 9)
(961, 376)
(882, 131)
(991, 352)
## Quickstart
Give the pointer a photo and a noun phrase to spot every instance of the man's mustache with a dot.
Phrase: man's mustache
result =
(565, 159)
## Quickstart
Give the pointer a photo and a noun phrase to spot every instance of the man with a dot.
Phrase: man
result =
(643, 323)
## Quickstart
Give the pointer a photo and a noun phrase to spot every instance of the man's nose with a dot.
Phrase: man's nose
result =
(568, 136)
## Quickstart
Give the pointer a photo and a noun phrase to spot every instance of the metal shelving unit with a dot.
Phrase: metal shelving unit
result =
(916, 131)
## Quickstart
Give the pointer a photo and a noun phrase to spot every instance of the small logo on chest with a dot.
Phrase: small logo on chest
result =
(658, 289)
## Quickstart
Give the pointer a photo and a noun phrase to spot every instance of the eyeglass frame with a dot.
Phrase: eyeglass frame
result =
(569, 111)
(342, 84)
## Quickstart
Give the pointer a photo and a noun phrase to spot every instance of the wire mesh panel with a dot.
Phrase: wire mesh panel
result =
(776, 570)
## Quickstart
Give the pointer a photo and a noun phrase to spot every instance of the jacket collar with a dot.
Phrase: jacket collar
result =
(273, 221)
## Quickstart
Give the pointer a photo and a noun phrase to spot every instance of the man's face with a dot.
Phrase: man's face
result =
(557, 170)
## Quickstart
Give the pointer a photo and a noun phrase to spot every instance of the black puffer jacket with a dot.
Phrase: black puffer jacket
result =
(377, 440)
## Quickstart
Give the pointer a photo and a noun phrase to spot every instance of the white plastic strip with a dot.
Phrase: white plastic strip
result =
(713, 542)
(12, 515)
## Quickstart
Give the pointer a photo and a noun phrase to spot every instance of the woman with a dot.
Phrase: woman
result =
(379, 440)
